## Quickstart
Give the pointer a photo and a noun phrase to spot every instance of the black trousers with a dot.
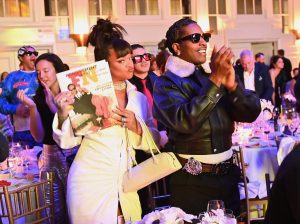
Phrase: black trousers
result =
(192, 193)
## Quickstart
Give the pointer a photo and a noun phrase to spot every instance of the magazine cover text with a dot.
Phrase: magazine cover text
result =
(94, 96)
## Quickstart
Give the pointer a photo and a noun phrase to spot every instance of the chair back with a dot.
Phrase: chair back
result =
(34, 201)
(259, 204)
(238, 159)
(158, 195)
(268, 185)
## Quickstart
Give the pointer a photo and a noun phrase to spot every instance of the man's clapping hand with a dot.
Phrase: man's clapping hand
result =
(222, 69)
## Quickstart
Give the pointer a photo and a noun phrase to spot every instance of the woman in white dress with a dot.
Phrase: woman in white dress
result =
(94, 193)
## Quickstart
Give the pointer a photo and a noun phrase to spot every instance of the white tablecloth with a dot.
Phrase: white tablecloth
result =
(260, 158)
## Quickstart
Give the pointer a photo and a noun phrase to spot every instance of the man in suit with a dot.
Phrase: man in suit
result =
(254, 76)
(260, 58)
(142, 78)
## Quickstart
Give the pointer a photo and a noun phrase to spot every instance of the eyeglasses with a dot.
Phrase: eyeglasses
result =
(139, 58)
(29, 53)
(195, 37)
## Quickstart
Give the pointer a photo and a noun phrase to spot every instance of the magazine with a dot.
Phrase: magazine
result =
(94, 96)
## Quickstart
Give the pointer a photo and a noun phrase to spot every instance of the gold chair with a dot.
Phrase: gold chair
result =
(259, 206)
(35, 201)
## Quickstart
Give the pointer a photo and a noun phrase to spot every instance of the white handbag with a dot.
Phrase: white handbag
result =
(150, 170)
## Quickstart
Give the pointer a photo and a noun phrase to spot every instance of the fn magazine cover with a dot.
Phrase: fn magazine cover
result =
(94, 96)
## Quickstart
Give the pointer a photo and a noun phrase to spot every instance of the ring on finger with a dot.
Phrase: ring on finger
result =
(123, 119)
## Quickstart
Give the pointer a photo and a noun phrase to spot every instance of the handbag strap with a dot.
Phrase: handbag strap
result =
(129, 148)
(148, 137)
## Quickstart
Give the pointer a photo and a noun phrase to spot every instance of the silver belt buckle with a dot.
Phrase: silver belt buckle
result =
(193, 166)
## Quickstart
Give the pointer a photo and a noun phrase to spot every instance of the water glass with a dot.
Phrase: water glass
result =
(214, 205)
(26, 157)
(11, 165)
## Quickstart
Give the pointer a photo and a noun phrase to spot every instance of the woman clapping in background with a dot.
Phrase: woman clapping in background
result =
(42, 110)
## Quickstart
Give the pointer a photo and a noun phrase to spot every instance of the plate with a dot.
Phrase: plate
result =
(254, 139)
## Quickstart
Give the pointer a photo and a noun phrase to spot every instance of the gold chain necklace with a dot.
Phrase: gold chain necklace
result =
(120, 86)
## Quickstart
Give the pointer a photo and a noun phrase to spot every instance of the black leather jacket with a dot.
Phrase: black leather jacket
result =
(199, 115)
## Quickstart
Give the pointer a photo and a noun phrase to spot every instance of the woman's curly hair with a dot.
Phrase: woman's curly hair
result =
(106, 35)
(173, 32)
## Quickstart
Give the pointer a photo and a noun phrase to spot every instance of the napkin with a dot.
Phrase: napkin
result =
(253, 189)
(218, 217)
(171, 215)
(285, 147)
(4, 183)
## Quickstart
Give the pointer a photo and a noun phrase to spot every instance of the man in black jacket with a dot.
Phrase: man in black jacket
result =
(199, 111)
(254, 76)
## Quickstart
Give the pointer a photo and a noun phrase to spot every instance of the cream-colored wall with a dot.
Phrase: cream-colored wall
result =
(237, 31)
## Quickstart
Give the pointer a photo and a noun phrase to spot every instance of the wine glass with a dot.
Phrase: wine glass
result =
(292, 119)
(11, 161)
(281, 123)
(214, 205)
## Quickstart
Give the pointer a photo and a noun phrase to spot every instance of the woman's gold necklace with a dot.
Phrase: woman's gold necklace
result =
(120, 86)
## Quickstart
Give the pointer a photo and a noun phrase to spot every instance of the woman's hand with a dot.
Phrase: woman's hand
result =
(63, 103)
(25, 99)
(126, 118)
(49, 98)
(101, 103)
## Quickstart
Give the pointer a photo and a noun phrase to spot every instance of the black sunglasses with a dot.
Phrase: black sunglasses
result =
(139, 58)
(29, 53)
(195, 37)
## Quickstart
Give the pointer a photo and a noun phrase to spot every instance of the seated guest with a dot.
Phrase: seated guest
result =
(284, 203)
(199, 111)
(255, 76)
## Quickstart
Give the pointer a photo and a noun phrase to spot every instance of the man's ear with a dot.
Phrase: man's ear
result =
(20, 58)
(176, 48)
